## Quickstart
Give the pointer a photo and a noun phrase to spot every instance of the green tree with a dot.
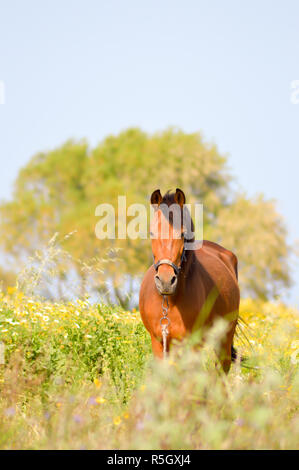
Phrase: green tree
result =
(58, 191)
(256, 233)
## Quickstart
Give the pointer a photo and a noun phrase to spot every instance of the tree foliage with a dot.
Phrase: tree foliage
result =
(59, 190)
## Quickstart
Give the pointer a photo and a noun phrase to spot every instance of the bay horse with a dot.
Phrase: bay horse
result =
(201, 285)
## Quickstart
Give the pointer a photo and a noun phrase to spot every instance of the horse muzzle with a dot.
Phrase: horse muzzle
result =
(166, 286)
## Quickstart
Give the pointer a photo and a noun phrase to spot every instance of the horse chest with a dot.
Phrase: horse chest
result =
(177, 328)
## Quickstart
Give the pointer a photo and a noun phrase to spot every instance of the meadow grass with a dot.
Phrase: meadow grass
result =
(81, 376)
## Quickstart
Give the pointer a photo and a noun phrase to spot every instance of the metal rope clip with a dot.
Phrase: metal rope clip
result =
(165, 322)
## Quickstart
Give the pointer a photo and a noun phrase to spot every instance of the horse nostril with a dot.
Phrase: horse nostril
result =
(157, 277)
(173, 279)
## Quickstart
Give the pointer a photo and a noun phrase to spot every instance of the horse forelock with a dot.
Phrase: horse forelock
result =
(168, 200)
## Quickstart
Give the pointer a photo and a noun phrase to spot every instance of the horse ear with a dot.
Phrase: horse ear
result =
(179, 197)
(156, 197)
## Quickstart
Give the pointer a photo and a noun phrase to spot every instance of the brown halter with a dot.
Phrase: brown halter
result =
(176, 268)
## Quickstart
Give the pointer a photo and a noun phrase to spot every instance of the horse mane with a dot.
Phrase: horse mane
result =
(168, 198)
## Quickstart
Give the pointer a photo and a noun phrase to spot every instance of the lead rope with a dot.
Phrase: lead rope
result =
(165, 322)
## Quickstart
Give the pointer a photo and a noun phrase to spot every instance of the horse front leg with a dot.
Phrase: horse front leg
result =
(157, 347)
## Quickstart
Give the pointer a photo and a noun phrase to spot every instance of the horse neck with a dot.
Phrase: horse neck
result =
(185, 275)
(188, 264)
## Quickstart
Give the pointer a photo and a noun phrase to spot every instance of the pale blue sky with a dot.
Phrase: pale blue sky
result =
(90, 68)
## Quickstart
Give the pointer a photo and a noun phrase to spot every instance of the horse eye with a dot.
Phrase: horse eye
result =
(151, 234)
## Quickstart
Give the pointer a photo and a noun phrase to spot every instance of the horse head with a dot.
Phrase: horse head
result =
(167, 232)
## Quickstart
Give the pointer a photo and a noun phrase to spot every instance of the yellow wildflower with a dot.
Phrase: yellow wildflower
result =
(100, 400)
(117, 420)
(171, 363)
(97, 383)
